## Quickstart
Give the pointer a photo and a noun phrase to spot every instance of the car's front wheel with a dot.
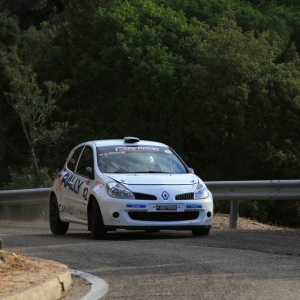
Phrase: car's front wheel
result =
(56, 225)
(98, 231)
(200, 231)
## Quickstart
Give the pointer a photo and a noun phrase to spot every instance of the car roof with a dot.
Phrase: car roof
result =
(122, 142)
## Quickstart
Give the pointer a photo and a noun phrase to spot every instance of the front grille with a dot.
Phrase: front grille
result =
(188, 196)
(140, 196)
(163, 216)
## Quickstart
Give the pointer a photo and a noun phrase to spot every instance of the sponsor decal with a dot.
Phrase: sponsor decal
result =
(131, 149)
(68, 180)
(130, 205)
(58, 185)
(168, 151)
(58, 178)
(109, 153)
(99, 184)
(61, 172)
(88, 182)
(193, 206)
(85, 193)
(72, 160)
(66, 209)
(70, 210)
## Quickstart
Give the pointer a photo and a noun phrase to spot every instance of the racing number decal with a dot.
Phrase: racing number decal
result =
(85, 192)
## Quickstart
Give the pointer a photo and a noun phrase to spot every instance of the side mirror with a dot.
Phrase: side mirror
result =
(192, 170)
(89, 170)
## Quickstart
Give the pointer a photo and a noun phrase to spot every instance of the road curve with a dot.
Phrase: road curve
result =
(172, 265)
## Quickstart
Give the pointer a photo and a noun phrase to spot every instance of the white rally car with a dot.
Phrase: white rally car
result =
(128, 184)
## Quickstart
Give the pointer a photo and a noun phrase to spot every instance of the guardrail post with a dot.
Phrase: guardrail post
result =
(234, 211)
(6, 211)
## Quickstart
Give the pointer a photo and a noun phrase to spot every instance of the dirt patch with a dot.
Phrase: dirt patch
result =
(221, 221)
(19, 273)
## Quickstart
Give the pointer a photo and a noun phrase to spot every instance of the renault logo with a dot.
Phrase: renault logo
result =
(165, 195)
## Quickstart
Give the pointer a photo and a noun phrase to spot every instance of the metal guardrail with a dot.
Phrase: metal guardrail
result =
(255, 190)
(28, 196)
(221, 190)
(252, 190)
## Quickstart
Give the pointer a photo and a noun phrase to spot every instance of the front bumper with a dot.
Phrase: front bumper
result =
(144, 214)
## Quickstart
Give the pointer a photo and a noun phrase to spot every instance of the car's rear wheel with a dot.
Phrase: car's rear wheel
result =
(200, 231)
(56, 225)
(98, 231)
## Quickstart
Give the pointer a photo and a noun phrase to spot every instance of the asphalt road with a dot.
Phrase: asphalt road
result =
(227, 264)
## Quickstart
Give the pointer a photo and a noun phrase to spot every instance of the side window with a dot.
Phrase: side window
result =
(86, 161)
(73, 160)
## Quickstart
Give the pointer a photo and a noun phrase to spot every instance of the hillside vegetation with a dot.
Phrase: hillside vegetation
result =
(217, 80)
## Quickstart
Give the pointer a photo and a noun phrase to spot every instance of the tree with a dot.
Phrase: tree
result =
(9, 30)
(31, 105)
(127, 60)
(230, 125)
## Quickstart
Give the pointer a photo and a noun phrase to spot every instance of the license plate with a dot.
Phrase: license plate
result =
(166, 207)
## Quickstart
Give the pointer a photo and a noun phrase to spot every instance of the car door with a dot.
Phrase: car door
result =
(63, 183)
(81, 184)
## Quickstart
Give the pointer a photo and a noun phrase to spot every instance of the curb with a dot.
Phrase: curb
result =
(99, 286)
(56, 285)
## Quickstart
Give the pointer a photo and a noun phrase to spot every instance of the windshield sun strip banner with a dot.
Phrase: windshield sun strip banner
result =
(121, 149)
(138, 149)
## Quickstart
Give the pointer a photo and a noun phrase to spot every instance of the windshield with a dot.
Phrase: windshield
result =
(139, 159)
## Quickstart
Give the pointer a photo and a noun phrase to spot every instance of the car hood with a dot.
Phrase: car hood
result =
(155, 179)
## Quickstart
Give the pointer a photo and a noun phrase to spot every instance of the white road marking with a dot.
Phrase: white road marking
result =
(99, 286)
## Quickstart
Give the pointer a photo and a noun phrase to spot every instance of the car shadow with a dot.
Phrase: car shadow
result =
(125, 235)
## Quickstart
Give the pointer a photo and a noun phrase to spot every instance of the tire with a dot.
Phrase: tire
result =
(200, 231)
(56, 225)
(98, 231)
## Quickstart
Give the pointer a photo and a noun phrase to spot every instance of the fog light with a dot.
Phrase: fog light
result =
(115, 215)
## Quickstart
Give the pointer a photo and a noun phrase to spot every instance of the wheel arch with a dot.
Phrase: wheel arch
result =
(51, 196)
(91, 199)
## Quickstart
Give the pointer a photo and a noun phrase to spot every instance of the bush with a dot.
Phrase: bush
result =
(26, 179)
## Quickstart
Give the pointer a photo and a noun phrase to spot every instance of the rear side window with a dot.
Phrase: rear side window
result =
(74, 159)
(86, 160)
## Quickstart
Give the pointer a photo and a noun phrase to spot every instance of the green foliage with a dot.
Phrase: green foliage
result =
(226, 97)
(129, 58)
(31, 106)
(30, 13)
(9, 30)
(26, 179)
(278, 17)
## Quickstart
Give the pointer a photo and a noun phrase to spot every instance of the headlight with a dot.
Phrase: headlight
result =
(201, 191)
(117, 190)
